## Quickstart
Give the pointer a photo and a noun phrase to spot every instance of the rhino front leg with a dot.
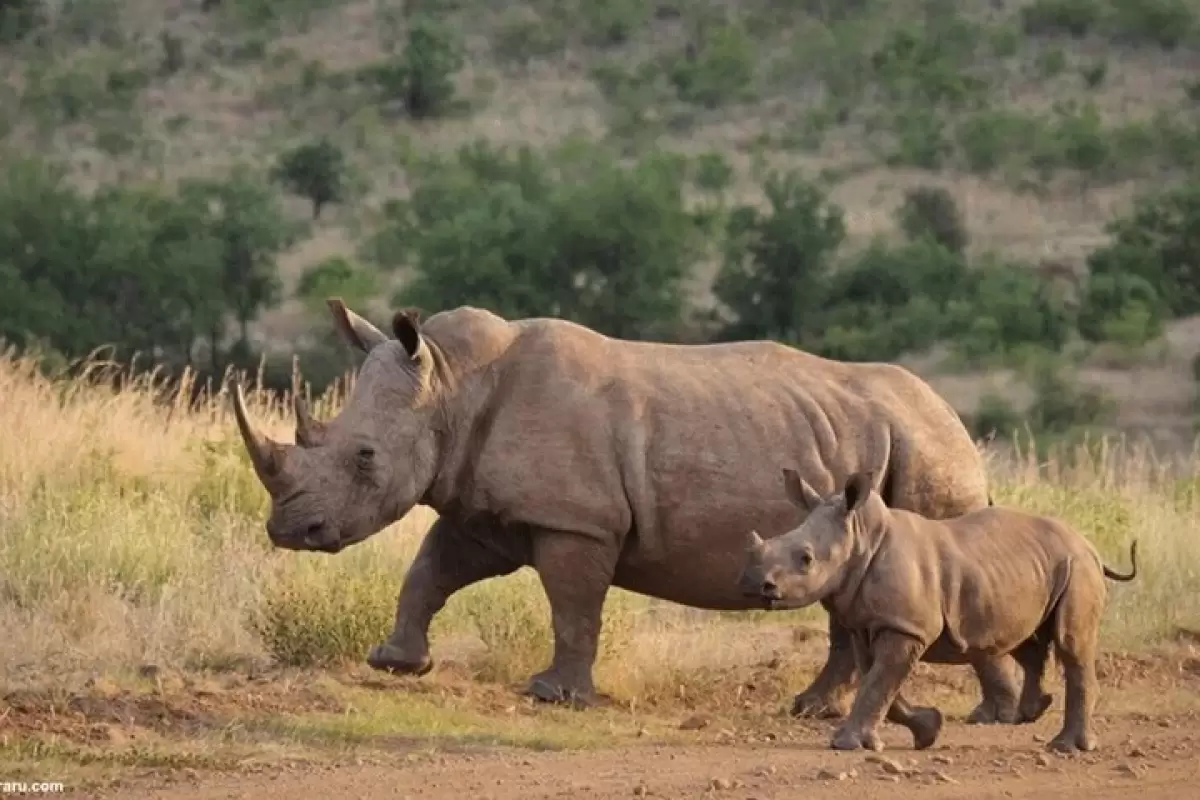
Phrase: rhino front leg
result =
(452, 556)
(891, 657)
(827, 696)
(576, 573)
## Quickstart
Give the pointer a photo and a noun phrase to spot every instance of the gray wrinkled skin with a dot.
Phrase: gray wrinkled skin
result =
(598, 462)
(967, 590)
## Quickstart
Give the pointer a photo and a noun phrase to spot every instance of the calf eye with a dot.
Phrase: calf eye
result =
(806, 559)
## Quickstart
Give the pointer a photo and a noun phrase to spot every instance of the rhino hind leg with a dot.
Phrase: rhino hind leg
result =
(1032, 656)
(998, 685)
(1076, 632)
(452, 556)
(827, 697)
(576, 573)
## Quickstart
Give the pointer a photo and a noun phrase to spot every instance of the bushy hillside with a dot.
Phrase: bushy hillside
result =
(916, 179)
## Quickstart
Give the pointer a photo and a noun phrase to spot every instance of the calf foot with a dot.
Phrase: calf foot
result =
(1032, 710)
(848, 738)
(399, 660)
(1071, 742)
(818, 704)
(926, 726)
(552, 687)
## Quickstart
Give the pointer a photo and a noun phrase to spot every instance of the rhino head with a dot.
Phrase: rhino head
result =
(348, 478)
(806, 564)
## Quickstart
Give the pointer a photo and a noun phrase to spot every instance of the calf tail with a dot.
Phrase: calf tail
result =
(1116, 576)
(991, 502)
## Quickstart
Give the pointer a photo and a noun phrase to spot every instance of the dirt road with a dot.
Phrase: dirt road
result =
(1153, 759)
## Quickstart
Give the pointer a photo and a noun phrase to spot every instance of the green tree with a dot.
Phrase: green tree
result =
(1008, 308)
(338, 277)
(316, 170)
(246, 217)
(422, 77)
(576, 235)
(775, 273)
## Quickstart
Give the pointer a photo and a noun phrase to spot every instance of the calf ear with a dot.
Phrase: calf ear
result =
(858, 489)
(799, 491)
(406, 325)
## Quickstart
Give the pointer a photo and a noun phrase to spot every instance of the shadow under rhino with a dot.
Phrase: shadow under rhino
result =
(600, 462)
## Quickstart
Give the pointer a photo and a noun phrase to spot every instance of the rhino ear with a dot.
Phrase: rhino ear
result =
(799, 491)
(354, 329)
(858, 489)
(406, 325)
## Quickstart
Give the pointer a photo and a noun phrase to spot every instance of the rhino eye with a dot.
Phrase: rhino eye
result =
(365, 457)
(806, 559)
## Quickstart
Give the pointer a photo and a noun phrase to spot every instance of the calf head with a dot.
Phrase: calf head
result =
(348, 478)
(806, 564)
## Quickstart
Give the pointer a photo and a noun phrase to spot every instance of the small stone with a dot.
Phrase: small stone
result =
(944, 760)
(720, 784)
(942, 777)
(694, 723)
(640, 790)
(830, 775)
(1137, 752)
(1042, 760)
(892, 768)
(148, 670)
(1039, 738)
(1130, 770)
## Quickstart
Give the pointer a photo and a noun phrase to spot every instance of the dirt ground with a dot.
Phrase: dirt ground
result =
(730, 739)
(1154, 758)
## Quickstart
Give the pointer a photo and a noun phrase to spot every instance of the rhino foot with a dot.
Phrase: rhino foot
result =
(989, 712)
(387, 657)
(548, 687)
(926, 726)
(1071, 742)
(815, 705)
(1033, 711)
(852, 739)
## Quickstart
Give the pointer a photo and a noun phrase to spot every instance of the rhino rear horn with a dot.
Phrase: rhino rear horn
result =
(309, 432)
(264, 453)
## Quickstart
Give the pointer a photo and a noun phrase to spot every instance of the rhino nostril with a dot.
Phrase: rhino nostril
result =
(769, 589)
(315, 529)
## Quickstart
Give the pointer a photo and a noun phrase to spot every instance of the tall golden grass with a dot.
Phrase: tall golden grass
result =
(131, 532)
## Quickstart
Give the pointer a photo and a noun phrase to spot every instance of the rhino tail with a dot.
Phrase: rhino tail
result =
(991, 502)
(1116, 576)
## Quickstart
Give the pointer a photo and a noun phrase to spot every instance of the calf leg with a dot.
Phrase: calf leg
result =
(1075, 646)
(826, 696)
(1032, 655)
(998, 685)
(892, 657)
(576, 573)
(453, 555)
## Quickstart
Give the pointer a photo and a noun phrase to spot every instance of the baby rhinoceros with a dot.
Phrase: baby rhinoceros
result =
(966, 590)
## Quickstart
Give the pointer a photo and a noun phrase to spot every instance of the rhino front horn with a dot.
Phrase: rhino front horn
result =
(264, 453)
(756, 541)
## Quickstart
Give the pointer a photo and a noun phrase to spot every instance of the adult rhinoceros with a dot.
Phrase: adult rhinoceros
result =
(599, 462)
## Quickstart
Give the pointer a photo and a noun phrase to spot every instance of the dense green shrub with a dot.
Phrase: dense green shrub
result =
(931, 211)
(1074, 18)
(1159, 242)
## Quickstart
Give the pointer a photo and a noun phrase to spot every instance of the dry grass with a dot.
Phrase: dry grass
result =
(131, 533)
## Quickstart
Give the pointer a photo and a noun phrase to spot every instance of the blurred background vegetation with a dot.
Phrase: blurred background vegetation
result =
(999, 195)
